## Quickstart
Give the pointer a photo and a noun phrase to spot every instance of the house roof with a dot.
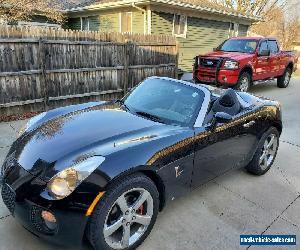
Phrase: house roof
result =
(201, 5)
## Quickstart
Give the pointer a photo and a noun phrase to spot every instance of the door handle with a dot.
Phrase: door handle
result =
(249, 124)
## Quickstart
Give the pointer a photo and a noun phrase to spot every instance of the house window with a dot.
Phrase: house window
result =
(233, 29)
(180, 25)
(126, 22)
(85, 23)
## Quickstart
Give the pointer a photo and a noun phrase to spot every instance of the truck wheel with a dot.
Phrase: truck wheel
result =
(244, 82)
(284, 80)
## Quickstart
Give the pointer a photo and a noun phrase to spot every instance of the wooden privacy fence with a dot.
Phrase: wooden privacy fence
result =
(45, 68)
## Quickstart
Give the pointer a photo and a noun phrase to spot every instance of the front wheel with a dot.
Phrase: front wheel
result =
(265, 153)
(125, 215)
(284, 80)
(244, 82)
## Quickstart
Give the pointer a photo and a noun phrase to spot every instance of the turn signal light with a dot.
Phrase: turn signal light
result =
(47, 216)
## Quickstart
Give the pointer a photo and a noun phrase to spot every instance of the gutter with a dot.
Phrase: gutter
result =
(138, 8)
(132, 3)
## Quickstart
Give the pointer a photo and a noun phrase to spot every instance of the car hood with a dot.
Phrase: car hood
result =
(97, 130)
(232, 55)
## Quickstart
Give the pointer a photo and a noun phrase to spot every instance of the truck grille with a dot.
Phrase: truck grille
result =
(210, 63)
(8, 196)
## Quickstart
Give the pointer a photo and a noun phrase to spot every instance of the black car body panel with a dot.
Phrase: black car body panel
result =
(178, 158)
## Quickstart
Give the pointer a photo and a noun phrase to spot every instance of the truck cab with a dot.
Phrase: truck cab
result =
(239, 62)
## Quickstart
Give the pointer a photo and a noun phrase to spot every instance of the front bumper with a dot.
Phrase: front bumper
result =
(20, 192)
(212, 75)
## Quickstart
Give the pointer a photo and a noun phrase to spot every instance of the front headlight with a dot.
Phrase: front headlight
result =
(231, 64)
(64, 183)
(32, 121)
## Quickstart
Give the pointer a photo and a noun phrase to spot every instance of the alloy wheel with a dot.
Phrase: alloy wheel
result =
(128, 218)
(268, 151)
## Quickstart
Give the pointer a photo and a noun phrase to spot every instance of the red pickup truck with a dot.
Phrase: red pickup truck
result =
(239, 62)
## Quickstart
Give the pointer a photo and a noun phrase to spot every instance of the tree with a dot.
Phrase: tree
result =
(14, 10)
(280, 17)
(282, 22)
(252, 7)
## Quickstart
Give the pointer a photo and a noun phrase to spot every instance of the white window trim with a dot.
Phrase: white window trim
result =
(185, 27)
(233, 32)
(120, 21)
(88, 23)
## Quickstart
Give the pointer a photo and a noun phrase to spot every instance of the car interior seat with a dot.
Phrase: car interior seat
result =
(227, 103)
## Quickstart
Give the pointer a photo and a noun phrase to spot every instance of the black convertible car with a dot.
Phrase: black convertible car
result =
(103, 170)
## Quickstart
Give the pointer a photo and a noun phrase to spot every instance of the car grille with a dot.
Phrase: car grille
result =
(210, 63)
(8, 196)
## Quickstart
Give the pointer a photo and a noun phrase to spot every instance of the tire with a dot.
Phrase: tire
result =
(108, 212)
(244, 82)
(264, 156)
(284, 80)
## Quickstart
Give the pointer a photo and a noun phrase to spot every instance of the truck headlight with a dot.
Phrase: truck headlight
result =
(32, 121)
(64, 183)
(231, 64)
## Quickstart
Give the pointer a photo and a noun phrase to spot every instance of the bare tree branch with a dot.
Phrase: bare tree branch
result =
(14, 10)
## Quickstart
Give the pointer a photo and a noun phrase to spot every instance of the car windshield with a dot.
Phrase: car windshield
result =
(165, 101)
(239, 45)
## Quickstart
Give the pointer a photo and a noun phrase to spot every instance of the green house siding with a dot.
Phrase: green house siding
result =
(243, 29)
(109, 21)
(202, 36)
(138, 22)
(94, 23)
(161, 23)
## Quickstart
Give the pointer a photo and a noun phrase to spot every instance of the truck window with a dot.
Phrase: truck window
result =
(273, 46)
(263, 46)
(239, 45)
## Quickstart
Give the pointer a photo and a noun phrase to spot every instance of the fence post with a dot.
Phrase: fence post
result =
(126, 66)
(42, 67)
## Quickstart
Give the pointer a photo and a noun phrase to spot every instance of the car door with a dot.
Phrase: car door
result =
(274, 59)
(262, 65)
(228, 146)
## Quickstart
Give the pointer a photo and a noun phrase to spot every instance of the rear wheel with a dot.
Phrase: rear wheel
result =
(265, 153)
(244, 82)
(284, 80)
(125, 215)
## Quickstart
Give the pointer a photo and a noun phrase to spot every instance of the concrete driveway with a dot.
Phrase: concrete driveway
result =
(214, 216)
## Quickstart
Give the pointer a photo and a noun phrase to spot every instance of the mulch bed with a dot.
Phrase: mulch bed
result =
(8, 118)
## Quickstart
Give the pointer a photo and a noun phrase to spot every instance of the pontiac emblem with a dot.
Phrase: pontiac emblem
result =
(178, 172)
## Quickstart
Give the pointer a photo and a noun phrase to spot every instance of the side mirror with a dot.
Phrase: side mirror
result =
(214, 49)
(265, 52)
(220, 117)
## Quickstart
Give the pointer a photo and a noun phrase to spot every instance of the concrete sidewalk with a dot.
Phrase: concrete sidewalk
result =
(214, 216)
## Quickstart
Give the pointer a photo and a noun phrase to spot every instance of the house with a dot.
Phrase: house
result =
(199, 25)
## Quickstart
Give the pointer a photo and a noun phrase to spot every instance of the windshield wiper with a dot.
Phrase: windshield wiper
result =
(122, 103)
(151, 117)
